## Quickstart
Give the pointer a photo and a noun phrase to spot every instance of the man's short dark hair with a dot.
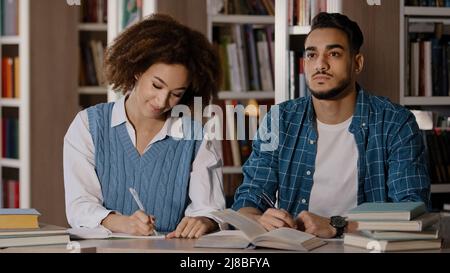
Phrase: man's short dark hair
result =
(342, 22)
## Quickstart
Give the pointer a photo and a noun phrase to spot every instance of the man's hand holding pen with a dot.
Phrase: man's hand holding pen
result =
(274, 218)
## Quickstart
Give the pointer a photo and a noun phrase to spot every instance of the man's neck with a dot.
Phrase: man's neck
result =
(336, 111)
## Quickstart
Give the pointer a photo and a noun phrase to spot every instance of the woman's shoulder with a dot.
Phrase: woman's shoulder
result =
(79, 126)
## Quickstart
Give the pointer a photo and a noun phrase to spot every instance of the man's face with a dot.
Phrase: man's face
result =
(329, 63)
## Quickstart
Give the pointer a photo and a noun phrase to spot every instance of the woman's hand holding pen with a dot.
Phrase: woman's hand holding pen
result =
(138, 223)
(193, 227)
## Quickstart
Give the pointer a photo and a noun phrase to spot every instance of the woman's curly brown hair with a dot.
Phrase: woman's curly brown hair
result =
(161, 39)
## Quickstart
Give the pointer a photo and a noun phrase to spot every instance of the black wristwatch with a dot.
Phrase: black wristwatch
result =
(339, 223)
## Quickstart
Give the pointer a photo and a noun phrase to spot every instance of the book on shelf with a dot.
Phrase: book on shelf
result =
(244, 7)
(387, 211)
(358, 240)
(11, 197)
(91, 62)
(19, 218)
(438, 157)
(10, 77)
(10, 137)
(246, 52)
(131, 12)
(9, 18)
(252, 234)
(428, 3)
(428, 62)
(297, 80)
(301, 12)
(94, 11)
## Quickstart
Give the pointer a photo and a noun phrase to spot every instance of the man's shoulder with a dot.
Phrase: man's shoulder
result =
(293, 107)
(384, 106)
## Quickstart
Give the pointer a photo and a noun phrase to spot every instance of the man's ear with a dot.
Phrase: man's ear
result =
(359, 63)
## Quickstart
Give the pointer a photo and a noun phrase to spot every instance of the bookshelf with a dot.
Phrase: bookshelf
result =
(104, 29)
(221, 23)
(92, 33)
(287, 33)
(418, 21)
(420, 76)
(14, 104)
(244, 38)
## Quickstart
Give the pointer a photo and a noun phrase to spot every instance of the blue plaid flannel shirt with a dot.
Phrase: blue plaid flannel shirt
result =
(391, 164)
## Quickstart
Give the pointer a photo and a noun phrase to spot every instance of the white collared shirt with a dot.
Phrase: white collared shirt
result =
(84, 199)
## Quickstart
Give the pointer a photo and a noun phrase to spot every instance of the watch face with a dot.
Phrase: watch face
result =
(338, 221)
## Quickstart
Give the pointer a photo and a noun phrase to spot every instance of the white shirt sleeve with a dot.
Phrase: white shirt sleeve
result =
(206, 185)
(84, 197)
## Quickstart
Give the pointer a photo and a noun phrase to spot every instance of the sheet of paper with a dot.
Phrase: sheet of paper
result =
(104, 233)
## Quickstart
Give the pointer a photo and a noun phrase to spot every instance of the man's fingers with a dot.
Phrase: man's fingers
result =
(282, 215)
(273, 221)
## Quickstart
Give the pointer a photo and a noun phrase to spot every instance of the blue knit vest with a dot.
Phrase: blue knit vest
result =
(160, 176)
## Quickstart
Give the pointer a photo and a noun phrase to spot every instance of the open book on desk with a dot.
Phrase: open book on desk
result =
(251, 233)
(101, 232)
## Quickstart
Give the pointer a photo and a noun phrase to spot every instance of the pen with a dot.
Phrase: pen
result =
(267, 199)
(141, 207)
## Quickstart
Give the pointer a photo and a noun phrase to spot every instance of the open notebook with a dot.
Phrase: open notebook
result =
(104, 233)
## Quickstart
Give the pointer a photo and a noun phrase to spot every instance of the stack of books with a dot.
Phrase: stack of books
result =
(394, 227)
(20, 227)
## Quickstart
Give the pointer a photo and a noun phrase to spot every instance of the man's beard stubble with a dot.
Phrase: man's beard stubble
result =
(332, 94)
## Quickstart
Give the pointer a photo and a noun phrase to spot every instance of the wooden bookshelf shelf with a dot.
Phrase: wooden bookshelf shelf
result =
(427, 11)
(92, 27)
(440, 188)
(229, 95)
(431, 101)
(299, 30)
(92, 90)
(9, 40)
(243, 19)
(10, 163)
(10, 102)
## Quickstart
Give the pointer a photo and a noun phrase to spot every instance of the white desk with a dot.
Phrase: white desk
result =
(173, 246)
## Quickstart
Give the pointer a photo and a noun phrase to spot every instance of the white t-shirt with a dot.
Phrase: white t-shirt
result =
(335, 186)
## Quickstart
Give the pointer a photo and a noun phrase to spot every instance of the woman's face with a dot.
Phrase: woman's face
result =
(160, 88)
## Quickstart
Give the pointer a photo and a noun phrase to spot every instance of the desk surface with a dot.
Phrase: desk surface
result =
(174, 246)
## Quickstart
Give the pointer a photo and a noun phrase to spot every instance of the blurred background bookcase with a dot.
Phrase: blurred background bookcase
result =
(242, 33)
(14, 104)
(425, 83)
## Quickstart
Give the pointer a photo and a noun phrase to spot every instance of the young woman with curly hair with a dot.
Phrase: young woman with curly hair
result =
(135, 143)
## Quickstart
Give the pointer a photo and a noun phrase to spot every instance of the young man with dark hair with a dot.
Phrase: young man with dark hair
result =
(338, 148)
